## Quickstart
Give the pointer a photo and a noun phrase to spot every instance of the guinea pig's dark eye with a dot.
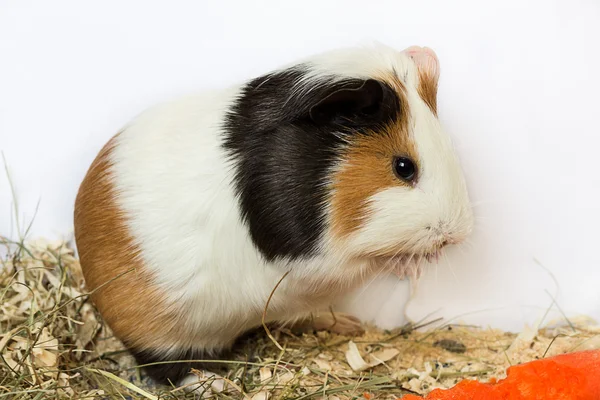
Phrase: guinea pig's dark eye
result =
(405, 168)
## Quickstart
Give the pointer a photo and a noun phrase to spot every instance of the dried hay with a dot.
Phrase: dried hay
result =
(53, 344)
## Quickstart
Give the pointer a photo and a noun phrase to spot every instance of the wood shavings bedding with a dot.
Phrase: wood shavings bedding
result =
(53, 344)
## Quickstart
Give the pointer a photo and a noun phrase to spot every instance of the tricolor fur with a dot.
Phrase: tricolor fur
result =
(189, 216)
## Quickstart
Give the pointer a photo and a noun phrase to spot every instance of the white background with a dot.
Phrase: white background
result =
(518, 93)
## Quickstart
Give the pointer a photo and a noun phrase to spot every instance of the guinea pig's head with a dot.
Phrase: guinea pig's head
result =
(344, 153)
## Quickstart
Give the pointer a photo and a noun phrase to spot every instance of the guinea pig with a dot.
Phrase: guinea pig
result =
(330, 170)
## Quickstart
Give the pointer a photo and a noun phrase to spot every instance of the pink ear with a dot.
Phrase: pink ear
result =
(425, 59)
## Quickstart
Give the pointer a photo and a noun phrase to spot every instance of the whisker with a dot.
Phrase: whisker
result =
(450, 268)
(483, 202)
(437, 269)
(374, 278)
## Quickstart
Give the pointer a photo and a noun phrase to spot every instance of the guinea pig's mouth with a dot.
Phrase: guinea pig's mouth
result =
(406, 265)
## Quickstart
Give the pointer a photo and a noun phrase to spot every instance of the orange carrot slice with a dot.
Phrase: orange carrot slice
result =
(572, 376)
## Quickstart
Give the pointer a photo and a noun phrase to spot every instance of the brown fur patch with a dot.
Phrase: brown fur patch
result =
(123, 290)
(367, 167)
(427, 89)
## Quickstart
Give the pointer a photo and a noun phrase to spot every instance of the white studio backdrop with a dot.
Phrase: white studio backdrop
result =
(519, 94)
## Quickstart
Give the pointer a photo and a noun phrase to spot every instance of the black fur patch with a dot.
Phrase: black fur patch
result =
(283, 139)
(172, 369)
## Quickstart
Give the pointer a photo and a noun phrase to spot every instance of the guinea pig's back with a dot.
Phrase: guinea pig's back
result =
(145, 212)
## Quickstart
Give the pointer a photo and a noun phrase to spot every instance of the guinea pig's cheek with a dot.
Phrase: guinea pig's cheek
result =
(367, 169)
(395, 222)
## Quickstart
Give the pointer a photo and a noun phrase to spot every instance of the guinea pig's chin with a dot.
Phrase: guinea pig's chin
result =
(404, 265)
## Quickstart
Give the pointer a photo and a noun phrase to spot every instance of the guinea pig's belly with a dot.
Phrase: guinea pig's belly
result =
(215, 309)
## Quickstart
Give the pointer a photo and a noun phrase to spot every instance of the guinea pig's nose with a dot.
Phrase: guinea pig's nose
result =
(425, 59)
